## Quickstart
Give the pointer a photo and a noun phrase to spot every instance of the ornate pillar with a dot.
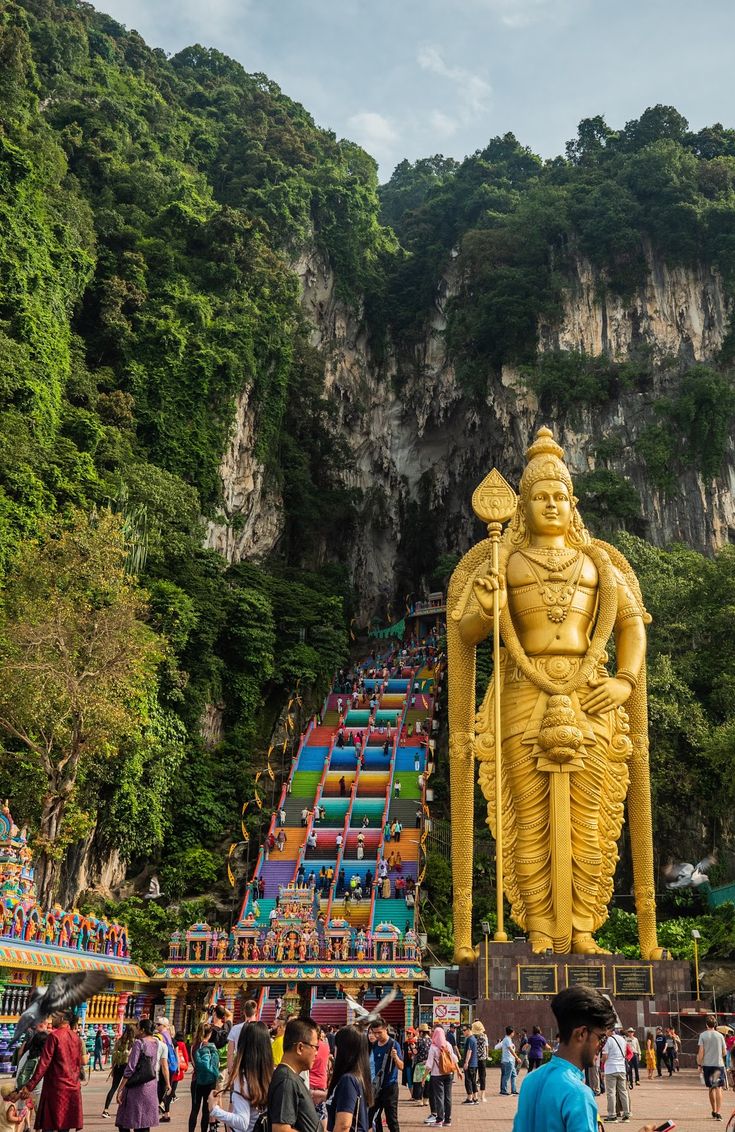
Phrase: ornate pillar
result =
(229, 994)
(352, 989)
(122, 1003)
(409, 999)
(170, 992)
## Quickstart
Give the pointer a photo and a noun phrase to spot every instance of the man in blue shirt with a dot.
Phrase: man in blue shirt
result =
(555, 1098)
(385, 1057)
(470, 1065)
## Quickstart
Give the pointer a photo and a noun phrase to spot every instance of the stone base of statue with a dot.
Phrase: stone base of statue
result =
(512, 986)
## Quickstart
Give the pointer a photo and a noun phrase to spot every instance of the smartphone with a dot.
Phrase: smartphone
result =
(666, 1126)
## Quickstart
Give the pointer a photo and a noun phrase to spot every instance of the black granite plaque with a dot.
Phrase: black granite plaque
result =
(633, 982)
(537, 979)
(586, 977)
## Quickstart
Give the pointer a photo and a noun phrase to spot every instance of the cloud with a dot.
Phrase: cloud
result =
(522, 13)
(442, 125)
(374, 132)
(473, 90)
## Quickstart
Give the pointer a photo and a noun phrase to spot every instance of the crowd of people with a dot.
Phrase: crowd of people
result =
(318, 1079)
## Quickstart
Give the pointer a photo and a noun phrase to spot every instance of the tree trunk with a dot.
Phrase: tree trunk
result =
(46, 865)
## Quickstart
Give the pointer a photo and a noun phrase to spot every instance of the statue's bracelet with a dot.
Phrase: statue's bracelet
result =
(623, 674)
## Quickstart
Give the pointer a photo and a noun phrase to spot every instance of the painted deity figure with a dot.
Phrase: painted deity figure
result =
(574, 735)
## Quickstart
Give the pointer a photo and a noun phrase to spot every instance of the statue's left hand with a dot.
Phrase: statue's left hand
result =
(606, 695)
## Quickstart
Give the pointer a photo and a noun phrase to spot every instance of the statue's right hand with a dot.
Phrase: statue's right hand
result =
(486, 586)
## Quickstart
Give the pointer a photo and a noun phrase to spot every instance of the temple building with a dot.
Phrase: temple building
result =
(36, 945)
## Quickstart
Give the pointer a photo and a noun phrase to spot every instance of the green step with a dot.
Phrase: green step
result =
(305, 783)
(393, 912)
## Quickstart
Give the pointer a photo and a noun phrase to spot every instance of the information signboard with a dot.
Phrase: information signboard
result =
(537, 978)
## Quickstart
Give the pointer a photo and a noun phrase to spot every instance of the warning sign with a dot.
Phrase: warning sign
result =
(446, 1010)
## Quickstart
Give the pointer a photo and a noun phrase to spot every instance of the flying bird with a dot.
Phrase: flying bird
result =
(154, 889)
(684, 875)
(62, 993)
(364, 1017)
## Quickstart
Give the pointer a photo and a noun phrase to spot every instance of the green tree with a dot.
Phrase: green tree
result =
(79, 670)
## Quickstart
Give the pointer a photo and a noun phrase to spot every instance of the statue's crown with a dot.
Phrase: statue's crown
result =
(544, 461)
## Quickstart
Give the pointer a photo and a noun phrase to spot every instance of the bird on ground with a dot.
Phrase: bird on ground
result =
(682, 874)
(363, 1016)
(62, 993)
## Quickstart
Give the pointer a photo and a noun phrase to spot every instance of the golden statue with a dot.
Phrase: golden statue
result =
(574, 738)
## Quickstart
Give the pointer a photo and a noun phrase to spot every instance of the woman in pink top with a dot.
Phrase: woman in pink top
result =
(318, 1078)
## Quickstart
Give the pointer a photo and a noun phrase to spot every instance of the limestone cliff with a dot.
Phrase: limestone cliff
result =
(428, 438)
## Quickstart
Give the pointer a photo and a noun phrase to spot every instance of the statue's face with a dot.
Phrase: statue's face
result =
(548, 508)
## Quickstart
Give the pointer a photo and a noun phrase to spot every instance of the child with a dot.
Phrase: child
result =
(15, 1115)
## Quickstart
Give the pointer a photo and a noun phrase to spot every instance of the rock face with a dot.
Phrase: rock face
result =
(253, 509)
(420, 438)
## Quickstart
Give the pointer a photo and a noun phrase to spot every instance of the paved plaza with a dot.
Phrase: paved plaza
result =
(680, 1098)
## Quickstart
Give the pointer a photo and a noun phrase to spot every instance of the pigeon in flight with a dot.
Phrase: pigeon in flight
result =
(62, 993)
(154, 889)
(684, 875)
(364, 1017)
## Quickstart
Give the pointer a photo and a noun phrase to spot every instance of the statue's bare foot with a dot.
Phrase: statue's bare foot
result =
(540, 943)
(464, 955)
(584, 944)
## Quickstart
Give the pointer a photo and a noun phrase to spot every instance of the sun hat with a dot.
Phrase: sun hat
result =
(477, 1027)
(424, 1028)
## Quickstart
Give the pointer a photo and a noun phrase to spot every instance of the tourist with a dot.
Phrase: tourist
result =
(137, 1097)
(350, 1093)
(523, 1047)
(386, 1060)
(660, 1044)
(205, 1059)
(555, 1098)
(250, 1014)
(249, 1080)
(60, 1067)
(279, 1030)
(311, 839)
(482, 1051)
(711, 1051)
(397, 788)
(421, 1075)
(537, 1043)
(616, 1083)
(304, 815)
(452, 1034)
(442, 1064)
(281, 840)
(289, 1103)
(633, 1061)
(165, 1085)
(650, 1055)
(409, 1057)
(509, 1063)
(29, 1054)
(319, 1077)
(470, 1065)
(369, 882)
(342, 786)
(386, 748)
(97, 1049)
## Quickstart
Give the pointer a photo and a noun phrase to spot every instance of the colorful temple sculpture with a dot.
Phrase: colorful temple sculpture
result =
(331, 907)
(36, 945)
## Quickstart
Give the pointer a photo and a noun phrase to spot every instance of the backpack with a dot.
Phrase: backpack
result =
(445, 1061)
(206, 1065)
(173, 1058)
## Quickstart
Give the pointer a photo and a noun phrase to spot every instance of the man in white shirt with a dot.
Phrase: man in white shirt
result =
(616, 1084)
(250, 1014)
(711, 1051)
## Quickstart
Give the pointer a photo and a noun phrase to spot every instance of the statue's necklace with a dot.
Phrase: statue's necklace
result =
(562, 574)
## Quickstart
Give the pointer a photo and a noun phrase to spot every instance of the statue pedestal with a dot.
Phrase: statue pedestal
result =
(520, 986)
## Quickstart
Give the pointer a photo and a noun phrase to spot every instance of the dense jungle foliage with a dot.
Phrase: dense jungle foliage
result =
(151, 209)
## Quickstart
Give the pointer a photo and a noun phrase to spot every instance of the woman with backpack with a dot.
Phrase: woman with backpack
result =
(137, 1098)
(442, 1064)
(350, 1093)
(120, 1054)
(482, 1050)
(249, 1080)
(205, 1059)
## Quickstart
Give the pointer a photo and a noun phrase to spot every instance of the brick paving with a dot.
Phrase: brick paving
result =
(680, 1098)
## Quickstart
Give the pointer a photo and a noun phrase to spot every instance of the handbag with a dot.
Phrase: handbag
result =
(144, 1071)
(420, 1072)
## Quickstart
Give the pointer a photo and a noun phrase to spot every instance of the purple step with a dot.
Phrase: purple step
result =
(275, 874)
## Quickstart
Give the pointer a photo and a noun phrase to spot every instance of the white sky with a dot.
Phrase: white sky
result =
(410, 78)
